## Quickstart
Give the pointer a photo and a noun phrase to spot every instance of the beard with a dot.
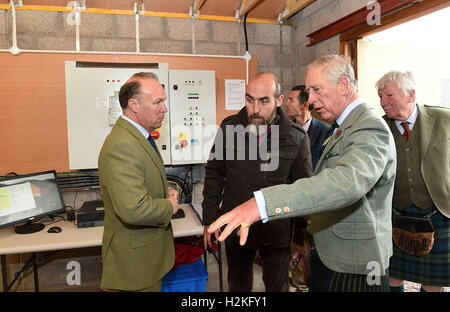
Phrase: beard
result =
(258, 120)
(258, 124)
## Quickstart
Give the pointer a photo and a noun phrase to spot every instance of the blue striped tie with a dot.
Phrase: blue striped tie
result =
(152, 142)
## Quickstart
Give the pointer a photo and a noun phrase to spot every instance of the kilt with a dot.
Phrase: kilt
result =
(432, 269)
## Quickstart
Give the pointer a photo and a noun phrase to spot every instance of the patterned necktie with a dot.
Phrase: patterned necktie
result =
(152, 142)
(327, 137)
(407, 132)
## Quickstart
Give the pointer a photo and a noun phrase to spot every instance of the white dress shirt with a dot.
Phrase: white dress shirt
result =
(411, 120)
(141, 129)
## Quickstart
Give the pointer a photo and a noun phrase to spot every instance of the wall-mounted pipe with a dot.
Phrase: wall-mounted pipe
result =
(148, 13)
(77, 27)
(247, 57)
(14, 49)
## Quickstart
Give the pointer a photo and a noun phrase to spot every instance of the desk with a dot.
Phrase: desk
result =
(72, 237)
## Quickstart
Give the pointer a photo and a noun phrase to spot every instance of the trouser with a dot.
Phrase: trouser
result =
(274, 263)
(325, 280)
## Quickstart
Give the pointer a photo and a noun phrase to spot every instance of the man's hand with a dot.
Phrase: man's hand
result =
(243, 215)
(173, 197)
(207, 237)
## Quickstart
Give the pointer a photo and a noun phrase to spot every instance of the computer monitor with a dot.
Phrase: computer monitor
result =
(26, 198)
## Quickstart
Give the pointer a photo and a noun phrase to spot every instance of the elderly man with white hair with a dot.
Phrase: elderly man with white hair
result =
(422, 186)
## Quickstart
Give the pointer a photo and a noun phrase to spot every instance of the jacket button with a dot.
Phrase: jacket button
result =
(277, 210)
(286, 209)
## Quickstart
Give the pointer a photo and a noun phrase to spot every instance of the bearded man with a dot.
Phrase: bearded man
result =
(256, 148)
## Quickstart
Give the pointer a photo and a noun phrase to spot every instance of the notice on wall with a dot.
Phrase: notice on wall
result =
(234, 94)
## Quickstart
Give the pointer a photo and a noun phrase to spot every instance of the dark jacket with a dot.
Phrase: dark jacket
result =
(232, 181)
(317, 133)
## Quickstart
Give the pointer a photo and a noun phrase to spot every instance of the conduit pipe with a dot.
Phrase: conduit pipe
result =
(14, 49)
(77, 26)
(148, 13)
(247, 57)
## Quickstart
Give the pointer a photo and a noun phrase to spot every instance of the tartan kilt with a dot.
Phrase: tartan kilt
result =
(432, 269)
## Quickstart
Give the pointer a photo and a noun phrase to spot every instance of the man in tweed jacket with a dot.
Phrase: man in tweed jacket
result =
(349, 198)
(137, 245)
(422, 186)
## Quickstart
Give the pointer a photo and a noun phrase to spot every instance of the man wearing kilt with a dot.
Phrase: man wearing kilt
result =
(422, 185)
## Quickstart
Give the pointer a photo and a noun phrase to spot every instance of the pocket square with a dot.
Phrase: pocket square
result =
(331, 155)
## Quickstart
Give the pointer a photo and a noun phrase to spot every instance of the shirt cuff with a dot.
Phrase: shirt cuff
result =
(261, 202)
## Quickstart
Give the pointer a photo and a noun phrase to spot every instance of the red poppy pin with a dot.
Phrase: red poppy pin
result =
(338, 133)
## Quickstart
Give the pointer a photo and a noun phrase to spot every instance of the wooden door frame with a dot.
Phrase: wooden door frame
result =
(349, 39)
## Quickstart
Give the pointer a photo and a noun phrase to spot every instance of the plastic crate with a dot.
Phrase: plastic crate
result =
(186, 278)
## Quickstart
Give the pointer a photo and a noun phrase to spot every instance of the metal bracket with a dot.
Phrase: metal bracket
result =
(237, 15)
(139, 7)
(191, 11)
(19, 3)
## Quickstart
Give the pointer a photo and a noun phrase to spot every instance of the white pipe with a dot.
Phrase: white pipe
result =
(245, 57)
(14, 49)
(137, 12)
(138, 49)
(193, 35)
(77, 27)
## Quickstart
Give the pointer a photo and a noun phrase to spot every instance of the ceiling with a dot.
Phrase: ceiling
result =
(268, 10)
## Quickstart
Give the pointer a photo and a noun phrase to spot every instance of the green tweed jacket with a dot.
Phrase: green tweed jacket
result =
(434, 145)
(349, 199)
(137, 246)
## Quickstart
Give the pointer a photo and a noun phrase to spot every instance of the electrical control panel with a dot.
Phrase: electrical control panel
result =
(93, 107)
(186, 134)
(193, 115)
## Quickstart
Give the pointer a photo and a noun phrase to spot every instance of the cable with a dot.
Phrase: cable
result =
(182, 185)
(245, 32)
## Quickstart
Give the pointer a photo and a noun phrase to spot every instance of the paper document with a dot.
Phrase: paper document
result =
(234, 94)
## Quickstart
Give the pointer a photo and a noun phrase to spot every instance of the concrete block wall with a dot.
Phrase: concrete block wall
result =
(311, 19)
(38, 30)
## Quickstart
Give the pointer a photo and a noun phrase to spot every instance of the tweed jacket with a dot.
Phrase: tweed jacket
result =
(230, 181)
(137, 246)
(349, 198)
(434, 141)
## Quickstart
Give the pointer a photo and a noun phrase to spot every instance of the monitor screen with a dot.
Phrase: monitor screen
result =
(25, 198)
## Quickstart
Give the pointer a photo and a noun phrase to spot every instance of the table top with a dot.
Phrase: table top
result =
(72, 237)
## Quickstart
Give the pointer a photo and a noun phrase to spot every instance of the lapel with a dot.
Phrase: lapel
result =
(426, 124)
(155, 157)
(335, 138)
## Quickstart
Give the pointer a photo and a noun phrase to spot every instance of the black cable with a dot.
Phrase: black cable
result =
(184, 187)
(186, 175)
(74, 199)
(245, 32)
